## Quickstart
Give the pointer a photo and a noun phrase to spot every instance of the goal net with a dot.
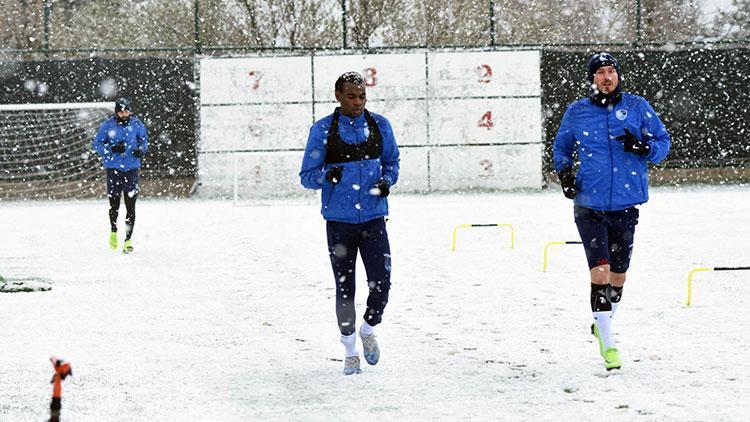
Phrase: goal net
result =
(45, 150)
(254, 178)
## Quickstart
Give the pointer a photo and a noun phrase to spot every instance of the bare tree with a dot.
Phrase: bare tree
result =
(310, 23)
(318, 23)
(671, 20)
(733, 23)
(223, 24)
(21, 23)
(368, 17)
(551, 22)
(123, 25)
(287, 23)
(438, 23)
(262, 20)
(584, 22)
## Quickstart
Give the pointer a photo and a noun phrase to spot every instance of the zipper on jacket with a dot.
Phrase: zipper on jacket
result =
(611, 160)
(359, 196)
(330, 196)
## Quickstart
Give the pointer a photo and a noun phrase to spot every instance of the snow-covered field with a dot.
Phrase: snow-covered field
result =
(227, 313)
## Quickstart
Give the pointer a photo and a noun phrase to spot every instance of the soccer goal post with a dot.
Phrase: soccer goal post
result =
(45, 150)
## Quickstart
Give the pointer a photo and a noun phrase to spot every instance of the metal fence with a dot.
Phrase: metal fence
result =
(177, 28)
(700, 95)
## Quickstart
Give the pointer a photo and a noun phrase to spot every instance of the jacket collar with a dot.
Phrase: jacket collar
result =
(604, 100)
(358, 121)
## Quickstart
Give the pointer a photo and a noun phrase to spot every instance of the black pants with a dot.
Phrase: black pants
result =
(371, 240)
(114, 208)
(119, 183)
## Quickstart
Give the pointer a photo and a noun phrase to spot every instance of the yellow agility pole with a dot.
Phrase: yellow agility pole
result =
(699, 269)
(510, 226)
(546, 247)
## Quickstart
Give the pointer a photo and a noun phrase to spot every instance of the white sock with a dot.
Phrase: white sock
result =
(367, 329)
(350, 343)
(614, 309)
(603, 321)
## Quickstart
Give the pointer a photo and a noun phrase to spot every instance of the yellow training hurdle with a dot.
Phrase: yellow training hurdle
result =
(699, 269)
(546, 247)
(460, 226)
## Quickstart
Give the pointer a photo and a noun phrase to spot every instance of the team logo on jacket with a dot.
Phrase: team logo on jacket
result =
(621, 114)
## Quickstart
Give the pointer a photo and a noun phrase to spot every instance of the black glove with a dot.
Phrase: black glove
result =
(382, 188)
(568, 182)
(333, 175)
(137, 153)
(119, 148)
(633, 145)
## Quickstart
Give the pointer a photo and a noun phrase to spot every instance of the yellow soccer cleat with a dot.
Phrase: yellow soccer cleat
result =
(113, 240)
(595, 332)
(127, 247)
(612, 359)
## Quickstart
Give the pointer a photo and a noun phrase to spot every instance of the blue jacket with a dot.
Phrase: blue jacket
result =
(610, 179)
(133, 134)
(350, 201)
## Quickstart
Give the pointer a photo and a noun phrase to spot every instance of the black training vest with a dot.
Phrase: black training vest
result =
(338, 151)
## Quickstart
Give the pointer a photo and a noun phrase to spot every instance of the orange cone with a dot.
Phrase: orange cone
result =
(62, 370)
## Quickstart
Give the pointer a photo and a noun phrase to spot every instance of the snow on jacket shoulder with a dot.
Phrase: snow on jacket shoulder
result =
(133, 134)
(350, 201)
(608, 178)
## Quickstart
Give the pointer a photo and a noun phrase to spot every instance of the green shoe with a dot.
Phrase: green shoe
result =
(113, 240)
(127, 247)
(595, 332)
(612, 359)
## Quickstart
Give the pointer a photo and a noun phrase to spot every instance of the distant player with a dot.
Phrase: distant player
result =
(352, 156)
(615, 135)
(122, 141)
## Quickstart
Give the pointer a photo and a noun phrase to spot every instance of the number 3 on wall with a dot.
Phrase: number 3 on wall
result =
(370, 75)
(487, 167)
(486, 121)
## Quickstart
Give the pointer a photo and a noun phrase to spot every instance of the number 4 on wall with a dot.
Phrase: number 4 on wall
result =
(486, 121)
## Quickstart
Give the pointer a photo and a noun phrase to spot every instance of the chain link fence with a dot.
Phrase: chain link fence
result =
(40, 29)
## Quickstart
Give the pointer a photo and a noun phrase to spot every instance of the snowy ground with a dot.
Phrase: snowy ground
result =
(226, 313)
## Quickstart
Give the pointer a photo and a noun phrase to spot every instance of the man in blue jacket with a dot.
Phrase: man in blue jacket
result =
(122, 141)
(615, 135)
(352, 156)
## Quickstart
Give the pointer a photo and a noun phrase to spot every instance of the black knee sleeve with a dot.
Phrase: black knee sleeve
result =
(599, 300)
(614, 293)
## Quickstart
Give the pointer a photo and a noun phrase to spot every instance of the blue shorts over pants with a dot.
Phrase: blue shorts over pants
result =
(119, 181)
(607, 236)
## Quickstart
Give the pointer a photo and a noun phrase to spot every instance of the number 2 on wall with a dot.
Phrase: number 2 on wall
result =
(486, 121)
(484, 72)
